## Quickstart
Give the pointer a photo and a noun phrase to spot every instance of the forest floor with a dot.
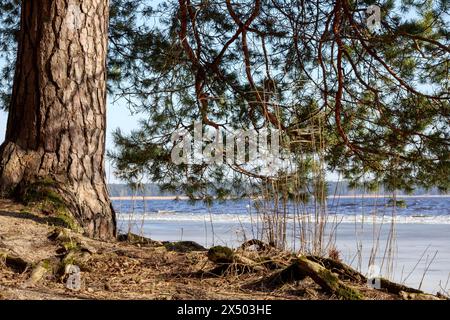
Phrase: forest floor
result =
(34, 253)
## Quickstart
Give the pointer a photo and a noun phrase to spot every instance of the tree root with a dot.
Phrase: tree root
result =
(38, 273)
(327, 280)
(303, 267)
(179, 246)
(140, 240)
(417, 296)
(396, 288)
(287, 275)
(226, 258)
(183, 246)
(14, 262)
(318, 269)
(343, 271)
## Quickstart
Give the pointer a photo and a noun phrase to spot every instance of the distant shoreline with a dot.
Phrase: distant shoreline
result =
(151, 198)
(356, 196)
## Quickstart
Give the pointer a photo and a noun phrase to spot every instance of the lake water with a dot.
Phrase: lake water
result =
(421, 246)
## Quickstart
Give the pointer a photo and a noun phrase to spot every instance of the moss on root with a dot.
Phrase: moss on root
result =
(42, 195)
(41, 190)
(327, 280)
(183, 246)
(47, 265)
(68, 221)
(220, 254)
(348, 293)
(342, 291)
(71, 252)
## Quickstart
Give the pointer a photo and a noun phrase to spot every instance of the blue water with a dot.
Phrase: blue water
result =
(422, 230)
(431, 210)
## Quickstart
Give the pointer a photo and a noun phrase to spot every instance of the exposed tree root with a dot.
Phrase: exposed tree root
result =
(417, 296)
(178, 246)
(396, 288)
(14, 262)
(343, 271)
(38, 273)
(327, 280)
(183, 246)
(301, 267)
(226, 258)
(136, 239)
(287, 275)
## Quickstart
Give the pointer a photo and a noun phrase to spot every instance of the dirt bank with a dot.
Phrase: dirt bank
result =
(35, 250)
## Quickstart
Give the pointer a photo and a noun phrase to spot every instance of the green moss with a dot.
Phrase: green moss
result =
(69, 259)
(71, 246)
(343, 292)
(73, 257)
(46, 264)
(60, 234)
(135, 239)
(220, 254)
(349, 293)
(41, 190)
(68, 221)
(330, 278)
(42, 195)
(183, 246)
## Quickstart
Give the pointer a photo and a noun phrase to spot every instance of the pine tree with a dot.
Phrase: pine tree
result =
(373, 103)
(53, 152)
(376, 98)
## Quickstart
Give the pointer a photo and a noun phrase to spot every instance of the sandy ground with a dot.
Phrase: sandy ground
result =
(119, 270)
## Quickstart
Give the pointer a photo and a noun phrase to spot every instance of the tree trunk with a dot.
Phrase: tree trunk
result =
(57, 117)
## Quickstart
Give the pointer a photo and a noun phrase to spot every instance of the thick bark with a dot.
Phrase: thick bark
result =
(57, 117)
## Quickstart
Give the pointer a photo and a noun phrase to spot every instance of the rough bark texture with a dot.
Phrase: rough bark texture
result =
(57, 117)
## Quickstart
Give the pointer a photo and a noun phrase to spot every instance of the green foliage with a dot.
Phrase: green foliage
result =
(371, 105)
(394, 109)
(9, 26)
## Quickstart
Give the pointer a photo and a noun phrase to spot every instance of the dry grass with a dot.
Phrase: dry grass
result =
(118, 270)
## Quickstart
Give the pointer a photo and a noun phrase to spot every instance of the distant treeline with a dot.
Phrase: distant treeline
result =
(338, 188)
(343, 188)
